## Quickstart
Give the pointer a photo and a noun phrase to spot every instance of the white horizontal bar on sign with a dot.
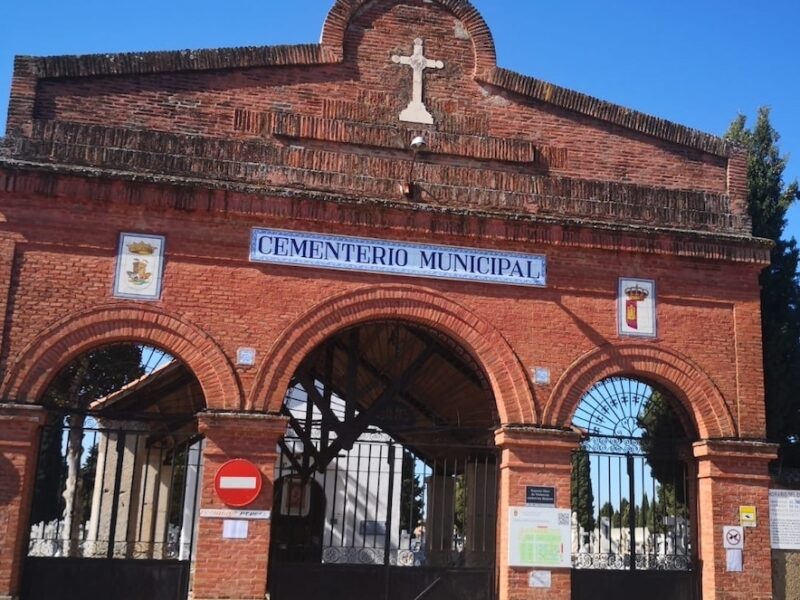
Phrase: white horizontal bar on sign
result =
(224, 513)
(238, 483)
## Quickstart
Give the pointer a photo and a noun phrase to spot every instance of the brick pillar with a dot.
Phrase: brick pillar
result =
(19, 445)
(531, 457)
(235, 569)
(731, 474)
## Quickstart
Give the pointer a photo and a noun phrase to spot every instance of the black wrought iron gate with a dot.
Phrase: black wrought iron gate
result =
(382, 522)
(386, 483)
(631, 498)
(113, 514)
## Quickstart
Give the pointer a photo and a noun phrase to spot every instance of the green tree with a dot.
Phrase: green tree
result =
(581, 490)
(620, 518)
(460, 516)
(88, 475)
(662, 436)
(90, 377)
(643, 518)
(607, 510)
(48, 505)
(769, 199)
(411, 494)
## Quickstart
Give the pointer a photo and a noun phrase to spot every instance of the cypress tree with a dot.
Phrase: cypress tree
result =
(581, 490)
(769, 199)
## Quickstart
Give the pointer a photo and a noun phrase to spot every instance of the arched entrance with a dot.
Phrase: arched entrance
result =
(386, 481)
(117, 479)
(633, 494)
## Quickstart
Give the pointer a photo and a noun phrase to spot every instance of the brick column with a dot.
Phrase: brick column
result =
(731, 474)
(235, 569)
(531, 457)
(20, 425)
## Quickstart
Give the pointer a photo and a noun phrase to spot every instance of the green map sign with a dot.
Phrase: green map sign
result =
(539, 537)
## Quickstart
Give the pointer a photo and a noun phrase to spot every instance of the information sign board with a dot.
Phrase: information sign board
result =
(540, 496)
(784, 519)
(539, 537)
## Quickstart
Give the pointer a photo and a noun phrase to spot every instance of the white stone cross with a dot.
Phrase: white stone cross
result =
(417, 112)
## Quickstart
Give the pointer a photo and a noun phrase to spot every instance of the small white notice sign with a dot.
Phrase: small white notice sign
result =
(733, 538)
(734, 563)
(234, 530)
(540, 579)
(784, 519)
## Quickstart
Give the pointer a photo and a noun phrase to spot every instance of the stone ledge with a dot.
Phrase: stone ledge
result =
(32, 413)
(736, 449)
(242, 421)
(244, 415)
(528, 436)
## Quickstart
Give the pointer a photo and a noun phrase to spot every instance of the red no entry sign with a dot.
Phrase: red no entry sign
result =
(238, 483)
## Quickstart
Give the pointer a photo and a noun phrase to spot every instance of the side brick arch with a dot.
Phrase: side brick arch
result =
(35, 367)
(339, 17)
(696, 392)
(506, 375)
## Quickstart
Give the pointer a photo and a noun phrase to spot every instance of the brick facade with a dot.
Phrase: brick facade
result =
(19, 436)
(201, 147)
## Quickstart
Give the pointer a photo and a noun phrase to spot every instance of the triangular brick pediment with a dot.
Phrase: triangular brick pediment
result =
(339, 117)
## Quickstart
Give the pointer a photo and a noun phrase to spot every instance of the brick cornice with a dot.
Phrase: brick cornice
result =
(319, 208)
(173, 61)
(499, 184)
(346, 170)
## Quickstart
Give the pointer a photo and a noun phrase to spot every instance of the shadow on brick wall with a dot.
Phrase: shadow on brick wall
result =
(9, 481)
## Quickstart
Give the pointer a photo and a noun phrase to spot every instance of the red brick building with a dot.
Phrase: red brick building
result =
(205, 149)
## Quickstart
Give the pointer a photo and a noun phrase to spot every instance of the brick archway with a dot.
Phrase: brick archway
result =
(33, 370)
(505, 373)
(339, 17)
(699, 396)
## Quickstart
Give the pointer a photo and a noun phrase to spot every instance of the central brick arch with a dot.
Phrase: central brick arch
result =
(696, 392)
(339, 17)
(36, 366)
(506, 375)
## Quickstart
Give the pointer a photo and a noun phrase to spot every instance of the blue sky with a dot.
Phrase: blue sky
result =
(696, 62)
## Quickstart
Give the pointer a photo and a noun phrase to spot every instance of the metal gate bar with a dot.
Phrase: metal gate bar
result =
(115, 500)
(638, 522)
(380, 514)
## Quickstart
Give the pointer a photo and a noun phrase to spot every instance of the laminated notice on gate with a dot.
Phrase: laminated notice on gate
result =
(784, 519)
(539, 537)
